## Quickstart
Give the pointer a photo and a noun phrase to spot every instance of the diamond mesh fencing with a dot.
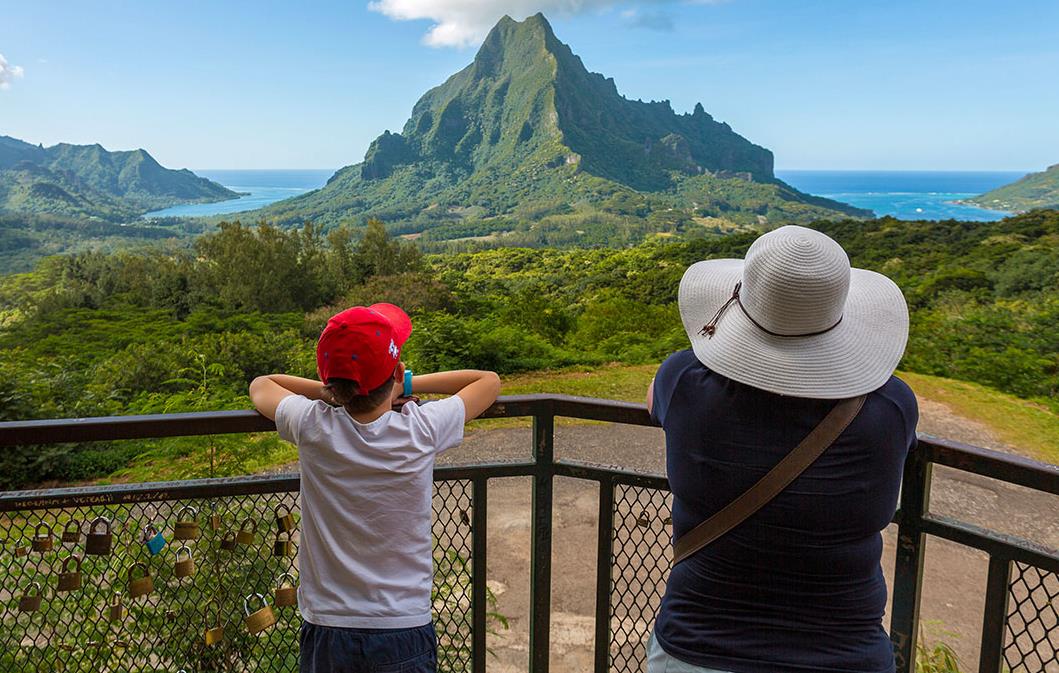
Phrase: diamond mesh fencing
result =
(182, 604)
(1032, 642)
(642, 530)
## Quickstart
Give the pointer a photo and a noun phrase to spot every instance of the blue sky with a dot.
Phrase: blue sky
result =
(837, 84)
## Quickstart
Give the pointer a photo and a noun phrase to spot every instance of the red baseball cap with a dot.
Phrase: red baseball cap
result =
(363, 344)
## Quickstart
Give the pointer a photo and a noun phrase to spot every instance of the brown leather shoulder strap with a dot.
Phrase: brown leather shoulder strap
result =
(773, 483)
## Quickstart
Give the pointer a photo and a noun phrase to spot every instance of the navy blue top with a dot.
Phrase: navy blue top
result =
(798, 586)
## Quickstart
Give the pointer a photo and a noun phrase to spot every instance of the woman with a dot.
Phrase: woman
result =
(777, 340)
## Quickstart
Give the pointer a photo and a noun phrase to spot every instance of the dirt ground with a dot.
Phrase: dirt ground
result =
(955, 576)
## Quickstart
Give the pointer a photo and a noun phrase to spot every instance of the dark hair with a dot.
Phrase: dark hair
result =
(345, 393)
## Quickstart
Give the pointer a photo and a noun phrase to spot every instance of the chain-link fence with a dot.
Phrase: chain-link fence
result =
(1032, 634)
(201, 584)
(184, 576)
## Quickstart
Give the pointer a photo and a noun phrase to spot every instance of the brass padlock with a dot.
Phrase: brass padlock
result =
(259, 620)
(187, 525)
(286, 592)
(215, 521)
(283, 546)
(116, 610)
(99, 538)
(21, 548)
(284, 519)
(184, 567)
(72, 532)
(140, 586)
(30, 602)
(70, 580)
(246, 535)
(228, 542)
(42, 542)
(214, 634)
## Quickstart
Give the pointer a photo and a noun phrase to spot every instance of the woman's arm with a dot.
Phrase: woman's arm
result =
(477, 389)
(650, 395)
(266, 392)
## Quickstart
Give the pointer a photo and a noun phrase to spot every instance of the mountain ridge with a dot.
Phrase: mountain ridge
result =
(91, 181)
(1035, 190)
(526, 127)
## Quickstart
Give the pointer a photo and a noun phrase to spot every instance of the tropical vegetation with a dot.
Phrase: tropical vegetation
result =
(152, 330)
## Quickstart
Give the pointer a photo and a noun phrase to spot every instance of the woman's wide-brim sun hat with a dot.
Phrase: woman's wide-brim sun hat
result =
(794, 318)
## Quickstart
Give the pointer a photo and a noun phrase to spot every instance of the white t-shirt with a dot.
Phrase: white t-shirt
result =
(366, 488)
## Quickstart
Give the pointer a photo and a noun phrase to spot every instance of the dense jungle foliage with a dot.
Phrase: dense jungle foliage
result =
(146, 331)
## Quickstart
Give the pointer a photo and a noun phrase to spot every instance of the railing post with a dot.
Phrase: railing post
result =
(479, 608)
(994, 618)
(604, 580)
(908, 567)
(541, 550)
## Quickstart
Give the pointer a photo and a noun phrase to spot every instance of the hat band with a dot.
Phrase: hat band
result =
(710, 328)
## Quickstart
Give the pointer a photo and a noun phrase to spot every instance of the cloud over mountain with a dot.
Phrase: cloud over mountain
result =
(8, 73)
(461, 23)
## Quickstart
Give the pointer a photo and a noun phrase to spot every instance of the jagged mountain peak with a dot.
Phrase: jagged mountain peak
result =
(526, 121)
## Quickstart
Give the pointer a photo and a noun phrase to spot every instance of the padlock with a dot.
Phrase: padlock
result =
(259, 620)
(21, 548)
(98, 542)
(245, 535)
(140, 586)
(214, 634)
(153, 539)
(70, 580)
(283, 546)
(284, 520)
(187, 525)
(286, 592)
(228, 542)
(72, 532)
(42, 542)
(116, 610)
(215, 521)
(184, 567)
(30, 602)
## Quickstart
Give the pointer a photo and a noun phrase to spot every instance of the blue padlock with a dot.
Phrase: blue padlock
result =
(153, 539)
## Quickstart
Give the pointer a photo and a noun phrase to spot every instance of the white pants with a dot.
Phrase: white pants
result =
(658, 661)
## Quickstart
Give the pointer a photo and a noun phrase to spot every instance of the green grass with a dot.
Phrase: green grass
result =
(1030, 427)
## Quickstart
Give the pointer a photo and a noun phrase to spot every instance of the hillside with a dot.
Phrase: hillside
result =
(526, 131)
(87, 181)
(141, 331)
(1036, 190)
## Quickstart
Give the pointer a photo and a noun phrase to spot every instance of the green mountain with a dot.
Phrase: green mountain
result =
(526, 131)
(89, 181)
(1036, 190)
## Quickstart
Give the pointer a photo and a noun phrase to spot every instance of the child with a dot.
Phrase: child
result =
(366, 487)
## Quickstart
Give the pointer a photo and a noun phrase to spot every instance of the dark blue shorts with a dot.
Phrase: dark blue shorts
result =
(326, 649)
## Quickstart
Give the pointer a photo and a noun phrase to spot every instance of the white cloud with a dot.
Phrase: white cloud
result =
(8, 73)
(460, 23)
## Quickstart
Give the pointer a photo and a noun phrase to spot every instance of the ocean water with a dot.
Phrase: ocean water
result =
(261, 187)
(908, 195)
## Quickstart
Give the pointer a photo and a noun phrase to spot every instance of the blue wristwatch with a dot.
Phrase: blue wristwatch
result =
(408, 383)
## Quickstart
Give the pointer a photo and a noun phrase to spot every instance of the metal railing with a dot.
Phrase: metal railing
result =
(81, 630)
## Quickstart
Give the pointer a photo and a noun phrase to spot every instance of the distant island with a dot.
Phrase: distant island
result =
(526, 133)
(1036, 190)
(88, 182)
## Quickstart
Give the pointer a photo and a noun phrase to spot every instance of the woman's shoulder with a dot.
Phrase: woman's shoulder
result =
(896, 395)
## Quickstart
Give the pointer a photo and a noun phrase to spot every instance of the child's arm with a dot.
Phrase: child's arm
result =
(267, 391)
(477, 389)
